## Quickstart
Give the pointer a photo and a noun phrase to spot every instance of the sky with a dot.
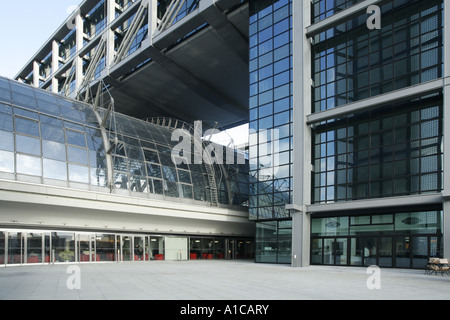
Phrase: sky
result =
(25, 26)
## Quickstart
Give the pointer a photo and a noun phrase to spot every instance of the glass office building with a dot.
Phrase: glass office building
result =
(367, 150)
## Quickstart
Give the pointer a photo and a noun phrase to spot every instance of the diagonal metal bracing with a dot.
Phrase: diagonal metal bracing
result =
(71, 75)
(172, 11)
(90, 71)
(132, 31)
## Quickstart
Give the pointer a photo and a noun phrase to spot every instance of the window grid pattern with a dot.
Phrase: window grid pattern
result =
(396, 152)
(49, 139)
(270, 108)
(143, 163)
(351, 63)
(322, 9)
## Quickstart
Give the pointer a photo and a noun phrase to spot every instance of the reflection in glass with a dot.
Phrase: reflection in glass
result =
(126, 248)
(63, 246)
(54, 150)
(77, 155)
(15, 248)
(105, 247)
(156, 248)
(6, 141)
(2, 247)
(29, 165)
(139, 249)
(55, 170)
(78, 173)
(28, 145)
(6, 161)
(28, 127)
(84, 248)
(403, 253)
(34, 247)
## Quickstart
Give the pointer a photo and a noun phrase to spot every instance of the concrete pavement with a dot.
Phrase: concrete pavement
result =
(215, 280)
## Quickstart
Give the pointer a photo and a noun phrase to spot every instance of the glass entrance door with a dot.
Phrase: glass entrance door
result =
(126, 248)
(335, 251)
(139, 248)
(34, 247)
(340, 251)
(403, 252)
(385, 252)
(370, 251)
(419, 252)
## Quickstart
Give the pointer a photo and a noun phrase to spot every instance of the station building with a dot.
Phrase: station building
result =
(345, 102)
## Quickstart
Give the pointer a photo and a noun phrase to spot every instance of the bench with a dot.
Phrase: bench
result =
(436, 265)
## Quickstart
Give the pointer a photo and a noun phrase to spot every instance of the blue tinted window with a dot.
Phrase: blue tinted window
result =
(26, 126)
(28, 145)
(54, 150)
(52, 133)
(76, 138)
(6, 141)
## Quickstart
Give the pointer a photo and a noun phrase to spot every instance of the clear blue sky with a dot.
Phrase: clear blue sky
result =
(25, 25)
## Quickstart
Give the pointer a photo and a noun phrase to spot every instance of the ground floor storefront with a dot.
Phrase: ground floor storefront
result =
(25, 246)
(402, 239)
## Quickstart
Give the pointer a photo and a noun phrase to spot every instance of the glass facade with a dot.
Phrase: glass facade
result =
(387, 150)
(322, 9)
(270, 144)
(390, 151)
(48, 247)
(351, 63)
(400, 239)
(274, 241)
(48, 139)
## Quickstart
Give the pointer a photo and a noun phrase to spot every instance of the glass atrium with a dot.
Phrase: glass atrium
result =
(51, 140)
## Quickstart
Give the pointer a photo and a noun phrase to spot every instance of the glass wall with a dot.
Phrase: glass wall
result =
(207, 248)
(274, 241)
(403, 239)
(51, 140)
(63, 246)
(270, 144)
(44, 247)
(390, 151)
(34, 247)
(2, 247)
(155, 248)
(48, 139)
(322, 9)
(351, 63)
(105, 247)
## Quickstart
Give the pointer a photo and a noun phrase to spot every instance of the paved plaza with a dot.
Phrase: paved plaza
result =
(215, 280)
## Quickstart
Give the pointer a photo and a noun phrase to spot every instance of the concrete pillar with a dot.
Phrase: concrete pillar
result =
(78, 59)
(446, 133)
(301, 135)
(109, 34)
(36, 70)
(55, 65)
(152, 17)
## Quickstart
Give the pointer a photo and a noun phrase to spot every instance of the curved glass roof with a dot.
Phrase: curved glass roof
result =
(48, 139)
